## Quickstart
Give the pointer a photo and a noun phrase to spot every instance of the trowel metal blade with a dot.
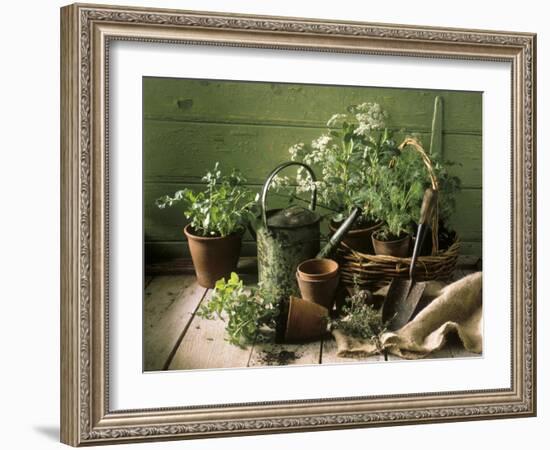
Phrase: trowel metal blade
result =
(405, 308)
(397, 294)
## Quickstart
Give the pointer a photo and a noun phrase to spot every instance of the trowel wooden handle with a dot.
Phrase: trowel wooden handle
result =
(428, 205)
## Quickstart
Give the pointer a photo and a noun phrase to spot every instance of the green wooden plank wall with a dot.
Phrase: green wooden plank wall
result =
(190, 124)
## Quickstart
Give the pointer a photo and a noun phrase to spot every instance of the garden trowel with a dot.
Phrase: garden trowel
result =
(405, 293)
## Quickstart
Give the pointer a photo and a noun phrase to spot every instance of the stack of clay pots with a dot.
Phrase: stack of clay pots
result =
(307, 316)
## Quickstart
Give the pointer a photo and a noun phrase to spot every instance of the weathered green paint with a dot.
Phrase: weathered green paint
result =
(189, 149)
(471, 248)
(436, 139)
(297, 105)
(191, 124)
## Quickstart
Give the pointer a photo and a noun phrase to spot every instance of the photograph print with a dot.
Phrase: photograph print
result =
(304, 224)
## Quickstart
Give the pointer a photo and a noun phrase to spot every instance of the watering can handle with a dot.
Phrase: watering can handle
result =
(277, 169)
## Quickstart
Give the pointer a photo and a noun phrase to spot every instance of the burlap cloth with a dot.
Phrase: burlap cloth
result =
(456, 307)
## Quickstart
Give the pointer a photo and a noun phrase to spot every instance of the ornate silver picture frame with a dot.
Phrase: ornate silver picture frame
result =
(87, 32)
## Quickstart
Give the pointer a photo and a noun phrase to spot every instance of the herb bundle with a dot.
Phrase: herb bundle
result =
(360, 320)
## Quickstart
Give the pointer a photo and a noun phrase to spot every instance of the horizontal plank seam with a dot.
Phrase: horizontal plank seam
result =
(253, 184)
(451, 131)
(183, 332)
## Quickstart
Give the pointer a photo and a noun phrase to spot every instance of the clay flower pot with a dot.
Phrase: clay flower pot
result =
(306, 320)
(359, 239)
(398, 248)
(317, 269)
(318, 280)
(213, 257)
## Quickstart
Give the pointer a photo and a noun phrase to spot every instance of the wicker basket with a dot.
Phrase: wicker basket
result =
(373, 271)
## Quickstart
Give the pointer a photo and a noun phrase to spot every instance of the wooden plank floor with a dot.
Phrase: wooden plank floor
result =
(176, 338)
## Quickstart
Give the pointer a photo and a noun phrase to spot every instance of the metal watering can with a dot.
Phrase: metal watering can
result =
(286, 237)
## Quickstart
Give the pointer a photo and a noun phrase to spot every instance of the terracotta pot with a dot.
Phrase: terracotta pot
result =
(317, 269)
(213, 257)
(398, 248)
(306, 320)
(320, 292)
(359, 239)
(318, 287)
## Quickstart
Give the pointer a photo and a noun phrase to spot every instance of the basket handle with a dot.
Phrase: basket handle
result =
(435, 186)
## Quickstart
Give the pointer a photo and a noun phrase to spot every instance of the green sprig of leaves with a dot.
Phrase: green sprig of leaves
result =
(224, 207)
(246, 310)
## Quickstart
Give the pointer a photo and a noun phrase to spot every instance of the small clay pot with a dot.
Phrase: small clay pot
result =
(213, 257)
(359, 239)
(317, 269)
(306, 320)
(318, 281)
(398, 248)
(321, 292)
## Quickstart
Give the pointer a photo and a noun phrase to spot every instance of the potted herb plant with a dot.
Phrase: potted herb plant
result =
(218, 217)
(348, 156)
(397, 199)
(399, 196)
(393, 238)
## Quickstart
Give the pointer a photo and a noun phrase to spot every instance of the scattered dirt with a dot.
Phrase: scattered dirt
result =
(278, 357)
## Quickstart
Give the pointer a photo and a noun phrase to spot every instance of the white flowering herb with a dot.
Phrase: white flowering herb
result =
(296, 151)
(336, 120)
(358, 164)
(345, 158)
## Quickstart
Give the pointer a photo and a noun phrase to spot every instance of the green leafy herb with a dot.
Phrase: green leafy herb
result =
(245, 310)
(224, 207)
(398, 196)
(399, 191)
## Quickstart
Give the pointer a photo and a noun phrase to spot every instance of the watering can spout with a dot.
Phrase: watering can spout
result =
(339, 234)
